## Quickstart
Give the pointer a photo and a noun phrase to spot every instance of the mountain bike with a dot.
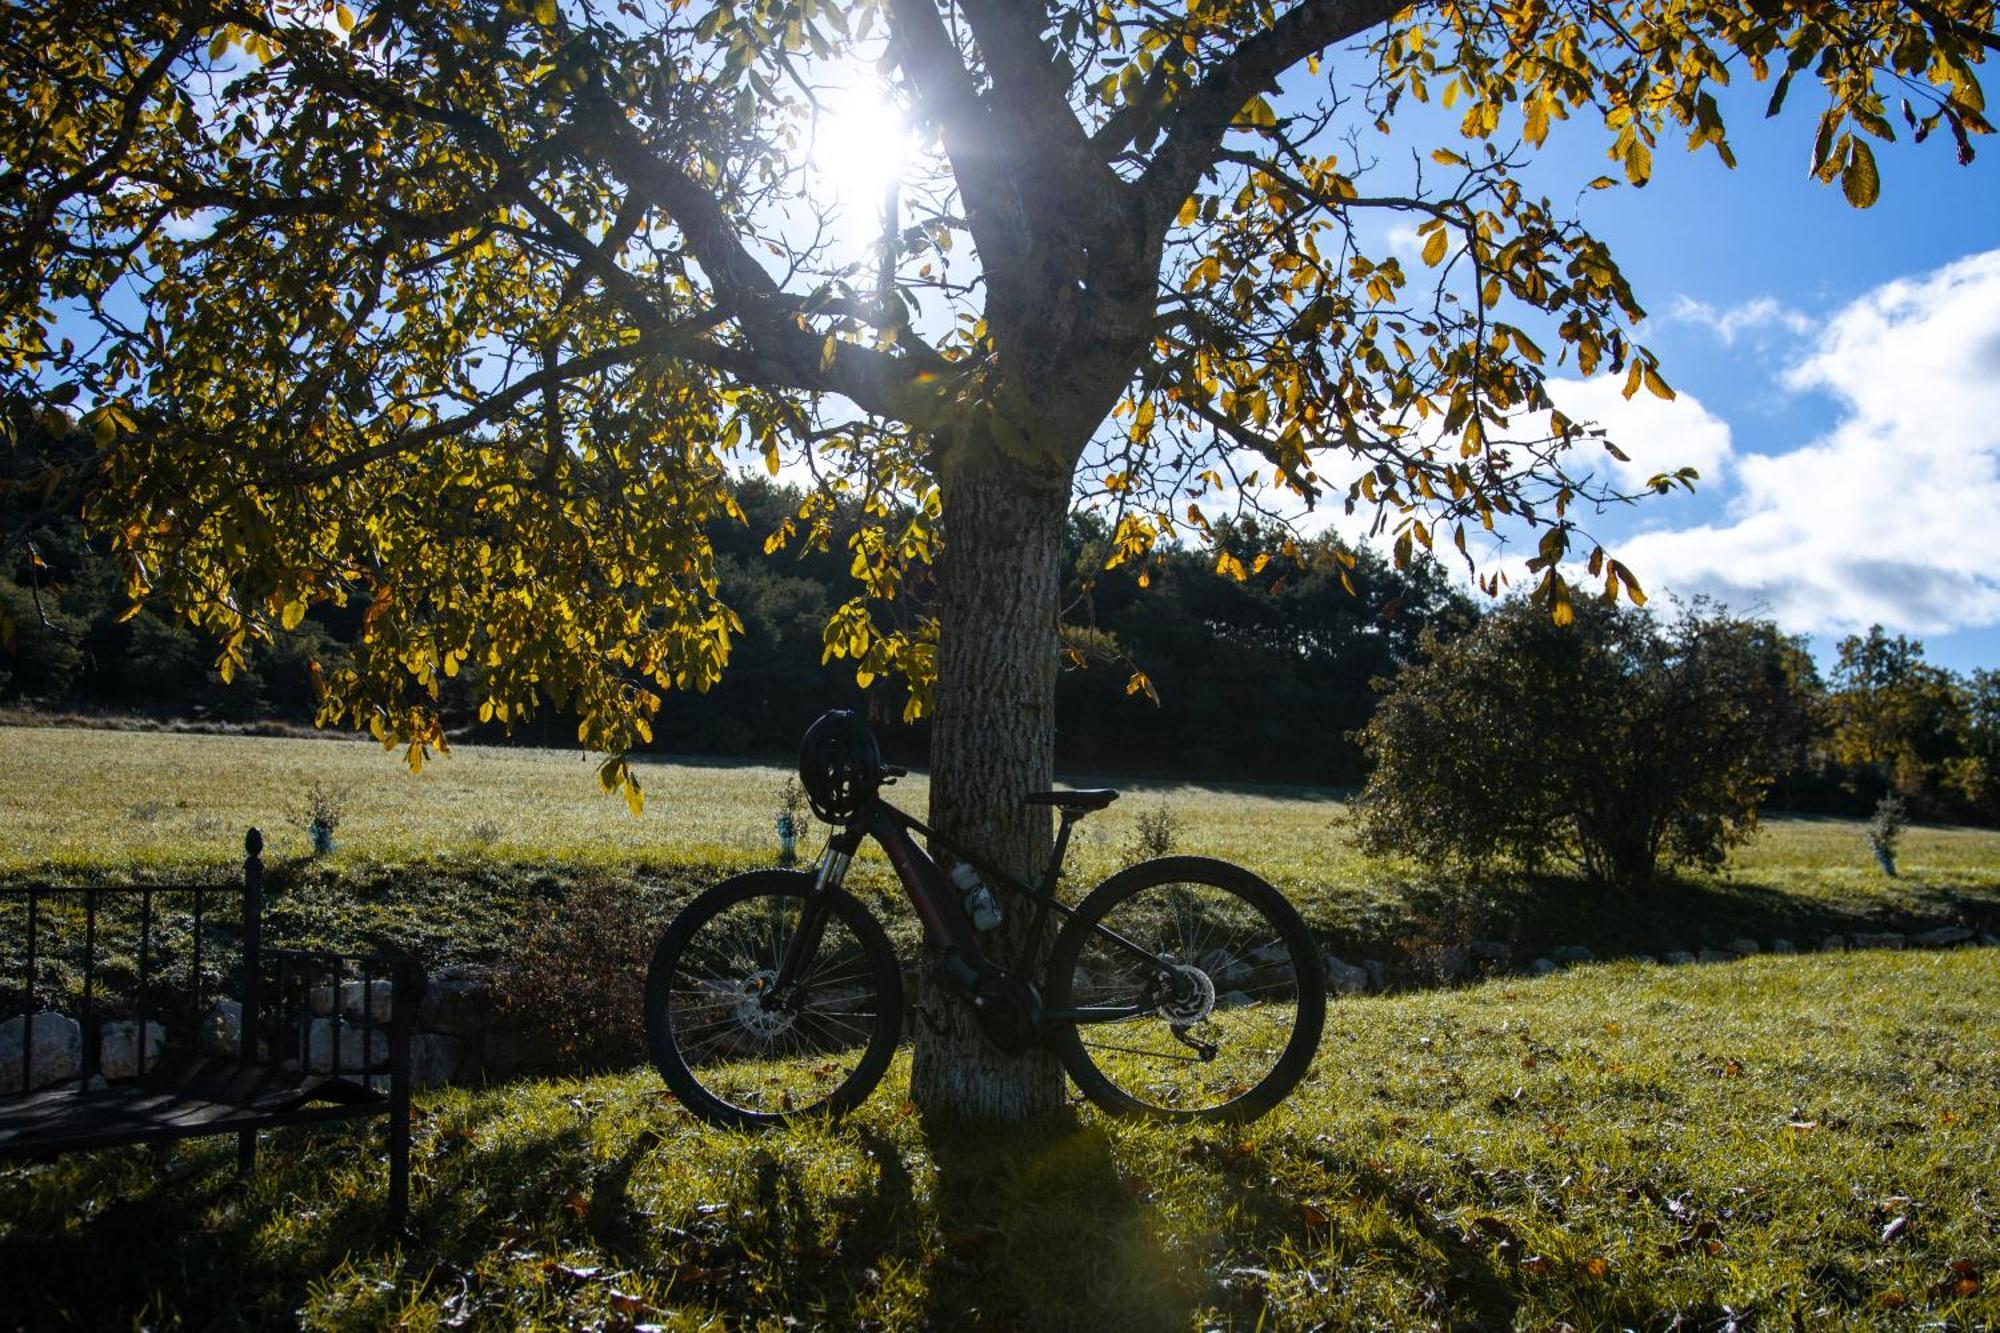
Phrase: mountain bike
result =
(1181, 987)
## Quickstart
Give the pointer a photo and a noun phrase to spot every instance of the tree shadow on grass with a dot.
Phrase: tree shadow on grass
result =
(1038, 1229)
(169, 1236)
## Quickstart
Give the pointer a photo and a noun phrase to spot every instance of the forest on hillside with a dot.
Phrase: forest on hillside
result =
(1179, 668)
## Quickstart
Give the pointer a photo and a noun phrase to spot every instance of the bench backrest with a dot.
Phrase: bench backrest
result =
(133, 953)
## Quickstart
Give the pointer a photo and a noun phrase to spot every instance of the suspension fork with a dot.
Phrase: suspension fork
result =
(804, 944)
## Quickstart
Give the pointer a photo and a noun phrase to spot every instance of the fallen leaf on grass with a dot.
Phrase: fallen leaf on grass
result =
(1895, 1229)
(629, 1305)
(1597, 1266)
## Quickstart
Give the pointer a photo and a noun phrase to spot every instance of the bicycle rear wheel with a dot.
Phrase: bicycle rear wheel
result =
(737, 1055)
(1222, 1026)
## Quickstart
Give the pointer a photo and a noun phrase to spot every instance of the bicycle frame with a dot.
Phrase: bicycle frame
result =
(936, 901)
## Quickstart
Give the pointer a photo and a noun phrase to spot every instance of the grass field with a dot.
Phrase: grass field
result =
(1778, 1143)
(421, 853)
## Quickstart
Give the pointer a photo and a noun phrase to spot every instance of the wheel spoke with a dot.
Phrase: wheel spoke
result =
(760, 1052)
(1227, 980)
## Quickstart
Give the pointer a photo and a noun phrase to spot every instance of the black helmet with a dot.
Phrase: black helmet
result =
(840, 766)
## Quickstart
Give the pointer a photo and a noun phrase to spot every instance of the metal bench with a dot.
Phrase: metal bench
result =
(311, 1036)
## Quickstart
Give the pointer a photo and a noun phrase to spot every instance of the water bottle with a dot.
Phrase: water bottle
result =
(979, 904)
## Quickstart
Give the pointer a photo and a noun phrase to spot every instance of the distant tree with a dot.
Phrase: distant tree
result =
(1898, 723)
(1261, 677)
(1614, 743)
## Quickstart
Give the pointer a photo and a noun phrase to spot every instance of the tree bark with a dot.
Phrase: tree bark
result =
(992, 741)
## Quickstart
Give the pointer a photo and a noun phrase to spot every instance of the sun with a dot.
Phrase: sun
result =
(861, 147)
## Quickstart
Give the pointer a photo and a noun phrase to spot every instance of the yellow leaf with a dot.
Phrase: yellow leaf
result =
(1858, 180)
(1638, 161)
(1434, 248)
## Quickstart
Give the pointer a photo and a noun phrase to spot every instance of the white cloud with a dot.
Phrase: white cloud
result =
(1760, 313)
(1656, 434)
(1892, 516)
(1404, 241)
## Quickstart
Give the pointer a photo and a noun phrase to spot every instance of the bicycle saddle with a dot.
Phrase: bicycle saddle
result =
(1089, 798)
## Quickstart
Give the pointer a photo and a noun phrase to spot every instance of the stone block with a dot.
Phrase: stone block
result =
(54, 1044)
(360, 1048)
(118, 1048)
(1345, 977)
(434, 1058)
(459, 1005)
(222, 1030)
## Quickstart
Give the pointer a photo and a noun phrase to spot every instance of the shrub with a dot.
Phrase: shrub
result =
(1611, 743)
(1884, 828)
(319, 812)
(576, 973)
(1155, 833)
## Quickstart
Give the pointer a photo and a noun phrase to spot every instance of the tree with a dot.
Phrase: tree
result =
(1610, 743)
(457, 310)
(1899, 724)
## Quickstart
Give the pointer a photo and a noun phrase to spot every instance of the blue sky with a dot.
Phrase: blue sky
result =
(1838, 374)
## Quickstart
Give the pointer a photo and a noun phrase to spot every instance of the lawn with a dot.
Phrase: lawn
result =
(442, 860)
(1777, 1143)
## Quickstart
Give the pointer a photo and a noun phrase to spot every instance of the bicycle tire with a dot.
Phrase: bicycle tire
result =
(1267, 959)
(734, 1063)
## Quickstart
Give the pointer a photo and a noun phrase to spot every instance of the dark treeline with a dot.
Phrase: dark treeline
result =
(1260, 679)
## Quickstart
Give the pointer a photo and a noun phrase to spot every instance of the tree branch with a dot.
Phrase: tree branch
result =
(1196, 129)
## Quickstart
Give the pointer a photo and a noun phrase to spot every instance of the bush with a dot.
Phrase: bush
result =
(1612, 743)
(577, 973)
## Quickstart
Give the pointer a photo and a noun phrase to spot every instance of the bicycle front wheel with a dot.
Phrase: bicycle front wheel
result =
(738, 1053)
(1208, 989)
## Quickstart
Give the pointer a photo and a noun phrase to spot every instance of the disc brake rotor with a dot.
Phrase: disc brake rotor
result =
(753, 1013)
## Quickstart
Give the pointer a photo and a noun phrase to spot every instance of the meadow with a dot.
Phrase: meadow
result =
(1776, 1143)
(455, 847)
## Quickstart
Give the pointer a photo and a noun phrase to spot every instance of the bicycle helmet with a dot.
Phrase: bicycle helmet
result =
(840, 766)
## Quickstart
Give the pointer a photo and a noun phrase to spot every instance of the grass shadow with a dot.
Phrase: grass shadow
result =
(1037, 1228)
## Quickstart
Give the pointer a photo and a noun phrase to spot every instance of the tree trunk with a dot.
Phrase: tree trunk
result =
(993, 740)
